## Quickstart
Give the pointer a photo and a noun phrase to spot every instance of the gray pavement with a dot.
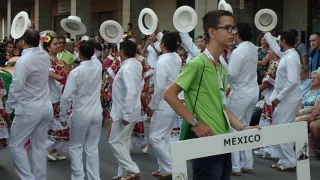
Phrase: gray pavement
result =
(147, 164)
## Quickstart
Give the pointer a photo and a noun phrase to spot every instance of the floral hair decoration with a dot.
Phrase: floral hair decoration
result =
(127, 36)
(46, 38)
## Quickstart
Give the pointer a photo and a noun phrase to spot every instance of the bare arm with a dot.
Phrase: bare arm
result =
(234, 121)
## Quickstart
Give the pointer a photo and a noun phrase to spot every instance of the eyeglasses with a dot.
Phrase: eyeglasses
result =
(228, 28)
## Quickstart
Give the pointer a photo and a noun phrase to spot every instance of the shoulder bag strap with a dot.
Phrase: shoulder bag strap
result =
(194, 107)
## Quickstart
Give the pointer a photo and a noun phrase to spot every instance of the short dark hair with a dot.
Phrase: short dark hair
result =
(294, 31)
(180, 48)
(31, 37)
(10, 42)
(61, 37)
(86, 48)
(244, 31)
(289, 38)
(171, 41)
(199, 37)
(98, 46)
(129, 48)
(130, 24)
(316, 33)
(212, 19)
(67, 34)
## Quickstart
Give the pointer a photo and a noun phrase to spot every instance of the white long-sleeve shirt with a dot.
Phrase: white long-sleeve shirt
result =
(193, 50)
(152, 57)
(242, 70)
(29, 90)
(168, 69)
(83, 89)
(287, 84)
(126, 92)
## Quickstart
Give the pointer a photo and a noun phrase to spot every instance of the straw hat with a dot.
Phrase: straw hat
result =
(148, 21)
(266, 20)
(111, 31)
(20, 24)
(73, 25)
(185, 19)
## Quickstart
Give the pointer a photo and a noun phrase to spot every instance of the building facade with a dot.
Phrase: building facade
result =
(302, 15)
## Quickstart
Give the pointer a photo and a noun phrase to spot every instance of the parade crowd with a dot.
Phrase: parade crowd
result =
(64, 90)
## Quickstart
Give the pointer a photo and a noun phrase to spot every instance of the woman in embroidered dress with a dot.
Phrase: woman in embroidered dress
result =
(58, 135)
(262, 52)
(266, 88)
(138, 138)
(4, 118)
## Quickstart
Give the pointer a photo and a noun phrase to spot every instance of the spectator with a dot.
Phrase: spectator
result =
(262, 52)
(305, 84)
(314, 56)
(300, 47)
(65, 55)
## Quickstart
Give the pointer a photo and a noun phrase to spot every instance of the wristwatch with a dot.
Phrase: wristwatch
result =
(194, 122)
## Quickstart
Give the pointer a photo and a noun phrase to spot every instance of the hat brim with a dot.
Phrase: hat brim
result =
(107, 37)
(223, 5)
(17, 30)
(80, 30)
(48, 31)
(269, 27)
(154, 25)
(188, 26)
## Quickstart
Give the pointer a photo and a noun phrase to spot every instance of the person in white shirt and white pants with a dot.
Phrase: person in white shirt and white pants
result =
(126, 109)
(244, 94)
(286, 96)
(83, 90)
(163, 119)
(29, 97)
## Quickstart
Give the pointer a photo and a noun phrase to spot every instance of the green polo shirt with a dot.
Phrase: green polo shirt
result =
(67, 57)
(209, 107)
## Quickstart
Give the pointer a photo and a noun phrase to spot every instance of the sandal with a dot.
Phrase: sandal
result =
(131, 176)
(247, 171)
(284, 169)
(165, 176)
(116, 178)
(156, 174)
(275, 166)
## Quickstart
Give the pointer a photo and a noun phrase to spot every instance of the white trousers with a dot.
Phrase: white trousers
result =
(285, 113)
(119, 140)
(243, 109)
(35, 127)
(161, 126)
(85, 135)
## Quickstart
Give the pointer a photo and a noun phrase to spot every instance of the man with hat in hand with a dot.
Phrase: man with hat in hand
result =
(29, 97)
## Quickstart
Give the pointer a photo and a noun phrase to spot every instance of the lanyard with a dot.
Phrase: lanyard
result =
(61, 55)
(222, 90)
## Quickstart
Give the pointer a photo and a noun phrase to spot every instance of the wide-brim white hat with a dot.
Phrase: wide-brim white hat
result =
(148, 21)
(73, 25)
(266, 20)
(185, 19)
(20, 24)
(223, 5)
(111, 31)
(43, 33)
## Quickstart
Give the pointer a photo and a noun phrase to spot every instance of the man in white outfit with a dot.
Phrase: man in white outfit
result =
(244, 94)
(29, 97)
(164, 117)
(287, 94)
(126, 109)
(83, 90)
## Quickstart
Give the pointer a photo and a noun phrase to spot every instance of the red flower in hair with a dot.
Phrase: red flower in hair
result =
(117, 62)
(114, 67)
(59, 133)
(145, 69)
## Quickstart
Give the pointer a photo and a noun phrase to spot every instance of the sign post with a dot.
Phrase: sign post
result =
(182, 151)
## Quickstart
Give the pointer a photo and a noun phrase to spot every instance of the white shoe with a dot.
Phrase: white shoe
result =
(144, 149)
(260, 153)
(51, 157)
(59, 157)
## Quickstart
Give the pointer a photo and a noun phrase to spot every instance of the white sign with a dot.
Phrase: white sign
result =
(241, 4)
(182, 151)
(64, 7)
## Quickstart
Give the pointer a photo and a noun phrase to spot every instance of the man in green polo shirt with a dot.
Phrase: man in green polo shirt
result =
(65, 55)
(204, 82)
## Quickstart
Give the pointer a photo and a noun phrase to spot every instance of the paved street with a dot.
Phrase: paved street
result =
(147, 164)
